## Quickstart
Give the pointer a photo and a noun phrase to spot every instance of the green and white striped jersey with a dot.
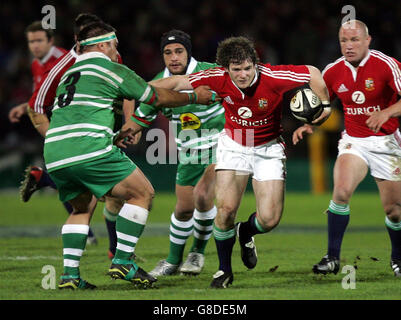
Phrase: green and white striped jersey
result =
(89, 94)
(196, 126)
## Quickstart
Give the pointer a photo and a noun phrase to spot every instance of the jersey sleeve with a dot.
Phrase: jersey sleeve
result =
(145, 114)
(134, 87)
(209, 77)
(394, 75)
(287, 77)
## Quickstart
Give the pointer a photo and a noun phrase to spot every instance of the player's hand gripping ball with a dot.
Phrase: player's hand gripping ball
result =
(305, 105)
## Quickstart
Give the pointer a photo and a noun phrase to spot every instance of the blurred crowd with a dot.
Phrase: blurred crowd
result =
(284, 31)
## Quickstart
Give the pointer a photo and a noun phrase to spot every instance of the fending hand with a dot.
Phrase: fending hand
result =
(206, 96)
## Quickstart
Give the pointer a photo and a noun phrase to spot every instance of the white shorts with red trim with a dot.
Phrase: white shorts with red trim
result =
(382, 154)
(265, 162)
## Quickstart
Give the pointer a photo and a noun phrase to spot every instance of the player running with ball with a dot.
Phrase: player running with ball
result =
(251, 144)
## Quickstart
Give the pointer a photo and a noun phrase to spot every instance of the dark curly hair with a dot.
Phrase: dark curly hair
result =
(236, 50)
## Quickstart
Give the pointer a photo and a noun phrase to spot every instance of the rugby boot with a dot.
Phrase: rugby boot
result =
(222, 280)
(327, 265)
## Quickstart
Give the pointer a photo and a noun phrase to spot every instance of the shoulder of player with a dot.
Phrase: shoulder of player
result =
(62, 64)
(283, 71)
(333, 66)
(59, 51)
(385, 60)
(209, 71)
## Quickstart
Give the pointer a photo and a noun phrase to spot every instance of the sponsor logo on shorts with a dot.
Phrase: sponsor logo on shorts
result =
(397, 172)
(348, 146)
(369, 84)
(189, 121)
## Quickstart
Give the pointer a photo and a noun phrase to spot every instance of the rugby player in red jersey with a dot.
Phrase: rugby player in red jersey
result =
(41, 46)
(368, 83)
(251, 144)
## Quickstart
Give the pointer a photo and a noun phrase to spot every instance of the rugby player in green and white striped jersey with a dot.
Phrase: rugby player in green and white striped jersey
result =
(196, 129)
(83, 161)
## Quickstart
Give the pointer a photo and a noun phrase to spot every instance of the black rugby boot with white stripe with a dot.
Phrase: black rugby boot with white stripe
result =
(396, 266)
(327, 265)
(249, 255)
(222, 280)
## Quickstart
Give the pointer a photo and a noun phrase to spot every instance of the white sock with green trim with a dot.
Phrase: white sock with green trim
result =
(74, 241)
(203, 229)
(130, 224)
(179, 233)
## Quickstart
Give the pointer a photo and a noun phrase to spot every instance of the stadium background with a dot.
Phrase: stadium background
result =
(284, 31)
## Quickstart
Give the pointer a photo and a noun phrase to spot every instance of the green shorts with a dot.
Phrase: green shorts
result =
(189, 174)
(97, 176)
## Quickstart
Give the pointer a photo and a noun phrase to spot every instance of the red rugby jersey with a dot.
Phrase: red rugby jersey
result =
(253, 115)
(373, 86)
(39, 67)
(43, 97)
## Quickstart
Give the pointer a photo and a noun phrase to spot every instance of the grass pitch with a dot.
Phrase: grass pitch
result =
(29, 241)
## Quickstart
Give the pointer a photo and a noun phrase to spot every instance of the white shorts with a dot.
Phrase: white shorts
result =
(264, 162)
(382, 154)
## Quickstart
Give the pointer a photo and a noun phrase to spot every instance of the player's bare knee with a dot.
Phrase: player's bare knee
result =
(226, 210)
(269, 223)
(183, 215)
(393, 212)
(342, 195)
(203, 202)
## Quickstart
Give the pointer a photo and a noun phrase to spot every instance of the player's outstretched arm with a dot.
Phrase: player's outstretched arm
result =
(176, 83)
(319, 87)
(170, 98)
(377, 119)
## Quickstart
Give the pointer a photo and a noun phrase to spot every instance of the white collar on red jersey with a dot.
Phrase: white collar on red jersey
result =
(90, 55)
(48, 55)
(361, 64)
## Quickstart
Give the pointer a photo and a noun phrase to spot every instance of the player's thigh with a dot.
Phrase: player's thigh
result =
(185, 206)
(269, 201)
(349, 171)
(135, 189)
(390, 195)
(230, 186)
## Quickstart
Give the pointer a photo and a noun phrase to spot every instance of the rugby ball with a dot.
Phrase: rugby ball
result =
(305, 105)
